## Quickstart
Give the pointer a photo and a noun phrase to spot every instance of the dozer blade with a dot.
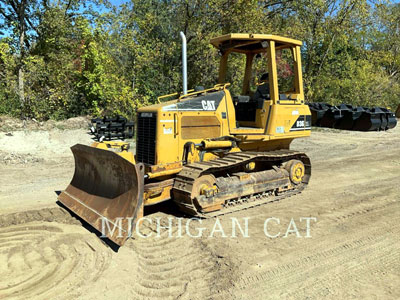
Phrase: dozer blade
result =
(106, 191)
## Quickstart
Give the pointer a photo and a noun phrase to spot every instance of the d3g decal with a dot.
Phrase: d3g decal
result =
(302, 123)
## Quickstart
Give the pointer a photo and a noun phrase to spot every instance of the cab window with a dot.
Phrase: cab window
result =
(285, 69)
(259, 68)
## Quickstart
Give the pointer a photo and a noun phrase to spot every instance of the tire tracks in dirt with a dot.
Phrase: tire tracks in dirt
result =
(172, 267)
(44, 255)
(47, 260)
(346, 257)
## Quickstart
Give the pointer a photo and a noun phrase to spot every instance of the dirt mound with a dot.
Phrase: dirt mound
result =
(47, 215)
(37, 146)
(16, 158)
(8, 124)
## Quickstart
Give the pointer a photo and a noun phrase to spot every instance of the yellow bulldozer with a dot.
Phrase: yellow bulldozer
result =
(211, 151)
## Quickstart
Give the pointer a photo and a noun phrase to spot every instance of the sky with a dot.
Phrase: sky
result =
(8, 32)
(118, 2)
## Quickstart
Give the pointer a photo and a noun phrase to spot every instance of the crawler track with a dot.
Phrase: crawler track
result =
(185, 179)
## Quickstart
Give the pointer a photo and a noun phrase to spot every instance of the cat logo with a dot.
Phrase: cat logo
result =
(208, 104)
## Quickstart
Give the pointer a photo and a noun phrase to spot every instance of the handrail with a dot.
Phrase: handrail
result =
(170, 95)
(219, 86)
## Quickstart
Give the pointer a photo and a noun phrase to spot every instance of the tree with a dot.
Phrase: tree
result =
(20, 17)
(68, 57)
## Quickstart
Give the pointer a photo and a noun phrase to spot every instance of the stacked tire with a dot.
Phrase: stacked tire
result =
(109, 128)
(398, 112)
(347, 117)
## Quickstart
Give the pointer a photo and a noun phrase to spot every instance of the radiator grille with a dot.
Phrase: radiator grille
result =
(146, 138)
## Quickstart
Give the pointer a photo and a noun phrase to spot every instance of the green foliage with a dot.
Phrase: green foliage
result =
(79, 61)
(9, 103)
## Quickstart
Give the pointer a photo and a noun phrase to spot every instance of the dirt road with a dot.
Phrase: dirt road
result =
(352, 250)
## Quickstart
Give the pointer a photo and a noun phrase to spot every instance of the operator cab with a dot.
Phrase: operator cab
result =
(263, 70)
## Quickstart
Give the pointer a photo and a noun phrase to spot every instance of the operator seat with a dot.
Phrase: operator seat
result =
(262, 92)
(246, 107)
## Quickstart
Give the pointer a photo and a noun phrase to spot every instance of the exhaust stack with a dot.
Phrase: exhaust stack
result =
(184, 63)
